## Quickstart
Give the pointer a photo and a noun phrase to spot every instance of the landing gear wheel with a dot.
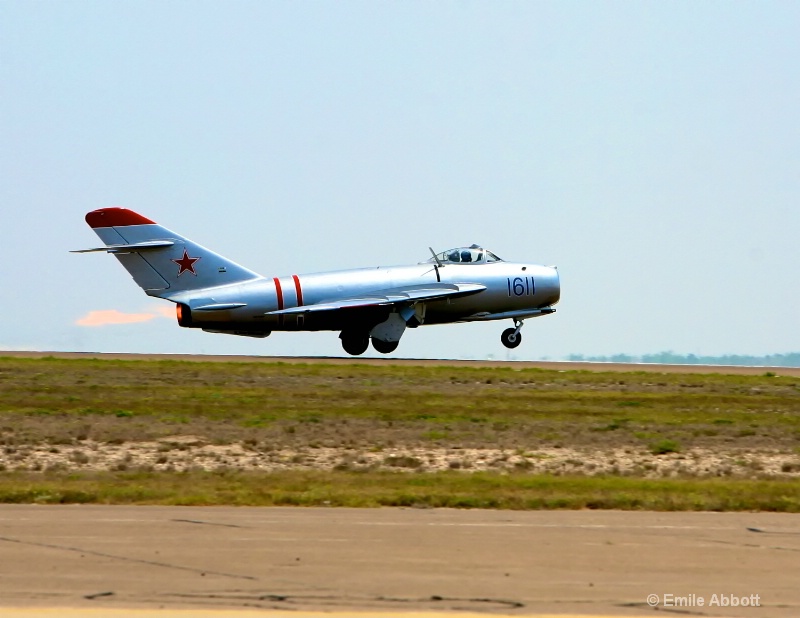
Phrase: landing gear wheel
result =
(511, 338)
(354, 343)
(384, 347)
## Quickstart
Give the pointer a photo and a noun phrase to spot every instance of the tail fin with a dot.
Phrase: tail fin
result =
(162, 262)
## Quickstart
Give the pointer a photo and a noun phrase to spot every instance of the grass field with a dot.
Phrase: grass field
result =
(257, 433)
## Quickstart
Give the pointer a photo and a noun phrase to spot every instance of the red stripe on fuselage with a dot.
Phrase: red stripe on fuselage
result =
(298, 290)
(278, 292)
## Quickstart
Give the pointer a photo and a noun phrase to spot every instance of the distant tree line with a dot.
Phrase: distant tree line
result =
(792, 359)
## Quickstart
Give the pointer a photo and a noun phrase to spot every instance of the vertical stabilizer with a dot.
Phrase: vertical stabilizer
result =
(160, 261)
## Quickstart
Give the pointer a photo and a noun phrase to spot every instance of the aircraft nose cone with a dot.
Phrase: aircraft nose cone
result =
(554, 285)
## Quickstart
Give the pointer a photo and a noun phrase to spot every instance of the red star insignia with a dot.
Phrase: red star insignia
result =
(186, 263)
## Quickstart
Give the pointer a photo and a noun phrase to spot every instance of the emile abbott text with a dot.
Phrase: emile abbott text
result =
(716, 600)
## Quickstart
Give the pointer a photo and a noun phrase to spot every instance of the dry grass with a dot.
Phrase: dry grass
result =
(64, 401)
(353, 489)
(154, 417)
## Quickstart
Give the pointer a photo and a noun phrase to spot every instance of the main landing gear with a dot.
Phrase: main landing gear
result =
(511, 337)
(384, 347)
(356, 343)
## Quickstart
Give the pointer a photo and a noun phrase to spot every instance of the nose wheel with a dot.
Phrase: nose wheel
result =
(511, 337)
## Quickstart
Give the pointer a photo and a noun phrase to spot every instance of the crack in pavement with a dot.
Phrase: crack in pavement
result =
(97, 595)
(763, 531)
(298, 601)
(752, 545)
(205, 523)
(666, 610)
(126, 558)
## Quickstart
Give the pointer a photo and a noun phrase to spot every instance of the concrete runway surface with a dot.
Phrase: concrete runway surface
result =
(101, 560)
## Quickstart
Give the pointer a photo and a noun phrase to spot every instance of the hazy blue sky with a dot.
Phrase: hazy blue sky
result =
(649, 149)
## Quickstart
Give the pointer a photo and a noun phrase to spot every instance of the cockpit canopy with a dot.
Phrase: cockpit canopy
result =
(466, 255)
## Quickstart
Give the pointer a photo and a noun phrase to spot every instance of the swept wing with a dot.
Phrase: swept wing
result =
(394, 296)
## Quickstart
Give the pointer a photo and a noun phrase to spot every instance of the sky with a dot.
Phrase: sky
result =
(650, 150)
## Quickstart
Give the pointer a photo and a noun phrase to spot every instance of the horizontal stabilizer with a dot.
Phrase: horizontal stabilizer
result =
(390, 297)
(139, 246)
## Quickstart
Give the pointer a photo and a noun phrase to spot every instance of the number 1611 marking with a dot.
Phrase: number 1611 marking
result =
(521, 286)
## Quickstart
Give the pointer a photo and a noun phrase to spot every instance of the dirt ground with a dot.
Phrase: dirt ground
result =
(182, 453)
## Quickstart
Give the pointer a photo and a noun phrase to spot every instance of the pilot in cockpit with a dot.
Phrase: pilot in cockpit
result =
(474, 254)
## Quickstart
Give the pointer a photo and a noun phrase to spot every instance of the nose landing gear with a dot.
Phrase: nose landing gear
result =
(511, 337)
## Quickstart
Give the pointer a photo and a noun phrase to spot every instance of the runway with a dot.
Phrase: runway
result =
(392, 562)
(388, 361)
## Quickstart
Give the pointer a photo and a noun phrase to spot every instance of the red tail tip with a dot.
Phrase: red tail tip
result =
(115, 217)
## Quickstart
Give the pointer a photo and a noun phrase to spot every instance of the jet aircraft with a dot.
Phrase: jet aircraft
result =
(466, 284)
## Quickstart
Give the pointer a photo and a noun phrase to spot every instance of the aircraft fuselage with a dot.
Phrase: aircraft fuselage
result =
(510, 287)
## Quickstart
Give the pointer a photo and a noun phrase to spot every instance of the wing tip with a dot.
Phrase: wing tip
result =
(115, 217)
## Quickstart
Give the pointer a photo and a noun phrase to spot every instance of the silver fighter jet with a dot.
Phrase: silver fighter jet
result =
(467, 284)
